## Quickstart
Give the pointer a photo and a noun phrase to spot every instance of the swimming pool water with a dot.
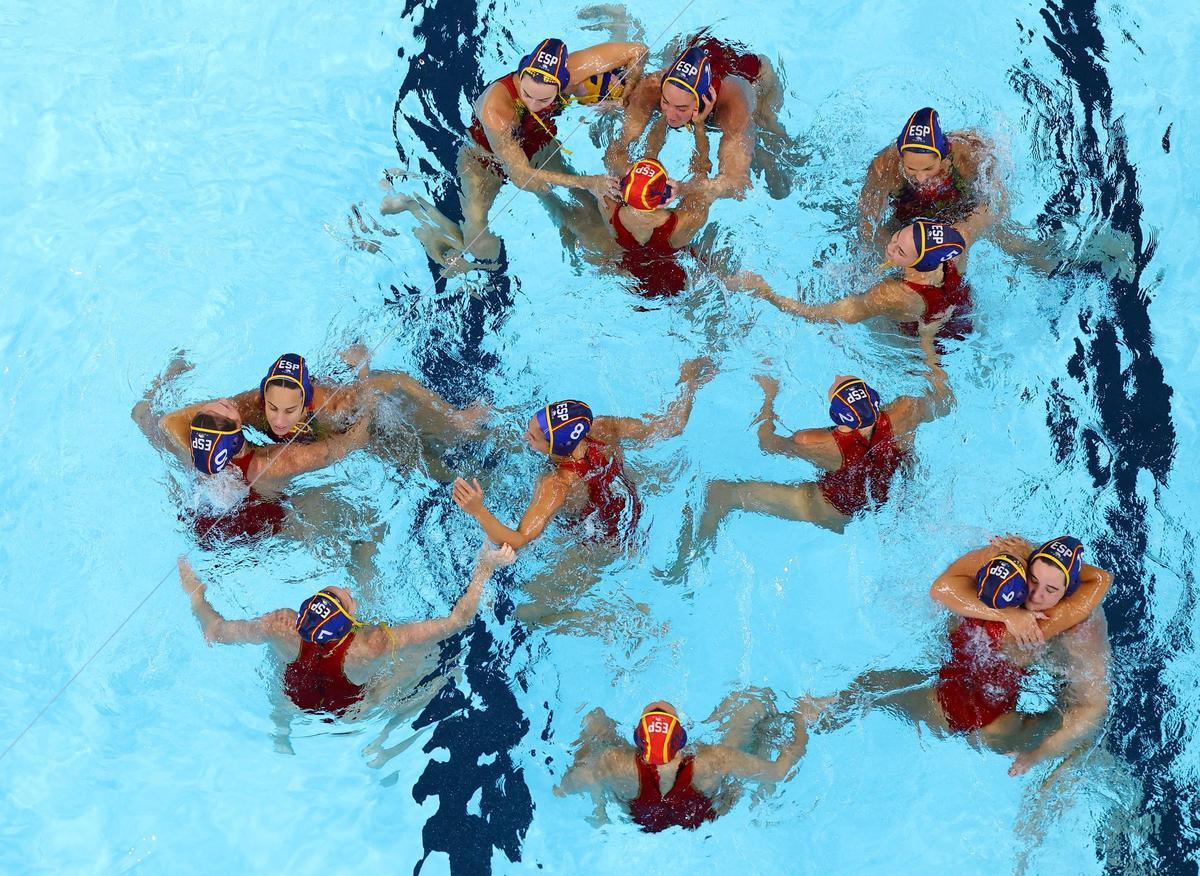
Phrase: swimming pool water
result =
(185, 178)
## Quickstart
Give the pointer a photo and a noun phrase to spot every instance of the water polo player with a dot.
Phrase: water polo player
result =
(513, 133)
(210, 437)
(929, 173)
(333, 659)
(639, 231)
(931, 285)
(586, 482)
(861, 454)
(746, 97)
(976, 691)
(663, 782)
(289, 405)
(1012, 583)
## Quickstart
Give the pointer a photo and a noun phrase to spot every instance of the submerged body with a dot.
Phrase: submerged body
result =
(347, 673)
(662, 782)
(860, 456)
(587, 485)
(991, 650)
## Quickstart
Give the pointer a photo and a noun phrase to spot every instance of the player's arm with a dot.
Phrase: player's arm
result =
(606, 57)
(286, 461)
(217, 629)
(727, 761)
(1087, 695)
(548, 496)
(955, 590)
(814, 445)
(498, 118)
(383, 639)
(693, 374)
(596, 772)
(885, 298)
(737, 144)
(432, 409)
(171, 431)
(637, 116)
(907, 412)
(1078, 607)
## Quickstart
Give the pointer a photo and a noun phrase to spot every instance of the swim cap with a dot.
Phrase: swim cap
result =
(1000, 582)
(213, 447)
(290, 367)
(658, 737)
(923, 133)
(645, 187)
(692, 72)
(548, 62)
(854, 404)
(564, 424)
(603, 86)
(936, 242)
(1065, 552)
(323, 620)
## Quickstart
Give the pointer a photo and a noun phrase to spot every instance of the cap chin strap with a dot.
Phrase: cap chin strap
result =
(537, 118)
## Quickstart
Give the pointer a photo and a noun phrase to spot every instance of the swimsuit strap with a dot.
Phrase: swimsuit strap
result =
(510, 85)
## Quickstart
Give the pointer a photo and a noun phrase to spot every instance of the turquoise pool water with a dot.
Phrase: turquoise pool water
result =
(186, 179)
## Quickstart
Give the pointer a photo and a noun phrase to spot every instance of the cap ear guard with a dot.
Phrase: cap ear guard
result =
(854, 404)
(548, 62)
(658, 736)
(923, 133)
(1066, 553)
(564, 424)
(935, 242)
(323, 620)
(212, 448)
(1000, 582)
(291, 368)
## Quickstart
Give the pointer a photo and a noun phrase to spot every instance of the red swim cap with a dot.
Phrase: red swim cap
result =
(658, 737)
(645, 187)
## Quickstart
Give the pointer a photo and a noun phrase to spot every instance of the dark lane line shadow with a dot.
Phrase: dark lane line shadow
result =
(1135, 432)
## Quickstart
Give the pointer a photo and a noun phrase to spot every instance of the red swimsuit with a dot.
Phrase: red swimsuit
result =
(725, 59)
(868, 466)
(652, 263)
(609, 494)
(682, 806)
(530, 136)
(316, 680)
(979, 684)
(253, 517)
(954, 294)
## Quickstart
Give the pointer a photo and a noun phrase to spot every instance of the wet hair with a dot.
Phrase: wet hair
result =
(206, 420)
(284, 383)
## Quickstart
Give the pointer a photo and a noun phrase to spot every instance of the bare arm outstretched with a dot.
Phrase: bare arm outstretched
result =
(650, 428)
(1087, 694)
(157, 429)
(637, 115)
(383, 639)
(275, 627)
(815, 445)
(886, 298)
(719, 761)
(280, 462)
(907, 412)
(548, 496)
